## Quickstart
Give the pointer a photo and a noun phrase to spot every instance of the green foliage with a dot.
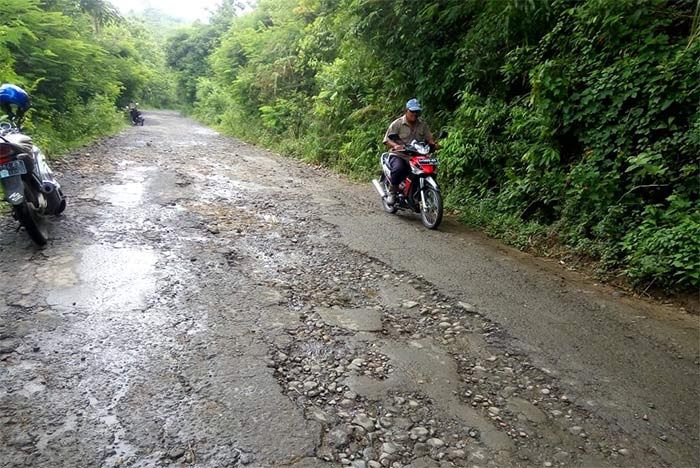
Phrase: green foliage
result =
(59, 133)
(664, 247)
(80, 61)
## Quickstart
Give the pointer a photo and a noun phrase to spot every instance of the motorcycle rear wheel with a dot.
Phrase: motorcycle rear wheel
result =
(32, 222)
(431, 213)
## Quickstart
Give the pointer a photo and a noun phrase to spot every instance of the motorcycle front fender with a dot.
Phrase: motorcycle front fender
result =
(14, 190)
(430, 181)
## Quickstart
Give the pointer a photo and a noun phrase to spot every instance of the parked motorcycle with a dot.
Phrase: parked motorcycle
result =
(419, 192)
(26, 179)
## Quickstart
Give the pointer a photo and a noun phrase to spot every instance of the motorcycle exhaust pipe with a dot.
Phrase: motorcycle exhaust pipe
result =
(378, 187)
(47, 187)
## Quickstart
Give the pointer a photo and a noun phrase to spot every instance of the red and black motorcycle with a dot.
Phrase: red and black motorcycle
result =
(419, 192)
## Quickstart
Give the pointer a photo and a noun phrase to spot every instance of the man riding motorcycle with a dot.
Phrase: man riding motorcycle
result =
(134, 113)
(402, 131)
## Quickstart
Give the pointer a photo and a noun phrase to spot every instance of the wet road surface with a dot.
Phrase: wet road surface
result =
(206, 303)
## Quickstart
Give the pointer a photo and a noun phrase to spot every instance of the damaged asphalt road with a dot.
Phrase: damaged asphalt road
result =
(206, 303)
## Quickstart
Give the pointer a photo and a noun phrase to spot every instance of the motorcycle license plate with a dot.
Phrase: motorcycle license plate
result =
(12, 168)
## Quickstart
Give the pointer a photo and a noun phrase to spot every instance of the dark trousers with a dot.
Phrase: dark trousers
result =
(399, 169)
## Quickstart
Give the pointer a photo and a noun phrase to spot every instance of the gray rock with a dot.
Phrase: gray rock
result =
(436, 443)
(421, 449)
(246, 458)
(390, 448)
(310, 385)
(386, 422)
(321, 416)
(403, 424)
(419, 432)
(340, 436)
(364, 421)
(467, 307)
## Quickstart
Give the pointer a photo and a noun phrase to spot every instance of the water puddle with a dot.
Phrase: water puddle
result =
(109, 278)
(205, 131)
(130, 193)
(127, 195)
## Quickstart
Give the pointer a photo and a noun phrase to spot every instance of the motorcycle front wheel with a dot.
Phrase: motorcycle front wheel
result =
(392, 209)
(431, 213)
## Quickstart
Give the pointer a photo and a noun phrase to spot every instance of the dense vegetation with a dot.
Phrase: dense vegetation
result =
(571, 122)
(81, 62)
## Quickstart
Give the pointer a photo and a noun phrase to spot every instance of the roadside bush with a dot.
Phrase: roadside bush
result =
(665, 247)
(60, 132)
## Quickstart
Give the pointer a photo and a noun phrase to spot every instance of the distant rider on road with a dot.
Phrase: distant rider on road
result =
(134, 112)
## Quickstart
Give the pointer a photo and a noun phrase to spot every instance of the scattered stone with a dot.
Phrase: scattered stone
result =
(419, 433)
(390, 448)
(364, 421)
(246, 458)
(421, 449)
(340, 436)
(175, 453)
(467, 307)
(436, 443)
(310, 385)
(322, 416)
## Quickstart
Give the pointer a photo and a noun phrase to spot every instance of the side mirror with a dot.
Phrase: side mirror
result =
(442, 134)
(394, 137)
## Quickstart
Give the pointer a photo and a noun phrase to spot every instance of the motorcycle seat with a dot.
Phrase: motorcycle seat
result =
(19, 139)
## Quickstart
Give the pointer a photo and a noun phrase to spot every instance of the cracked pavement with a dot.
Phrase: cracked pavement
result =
(207, 303)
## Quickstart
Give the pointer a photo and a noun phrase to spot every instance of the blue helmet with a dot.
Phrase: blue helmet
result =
(14, 95)
(413, 105)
